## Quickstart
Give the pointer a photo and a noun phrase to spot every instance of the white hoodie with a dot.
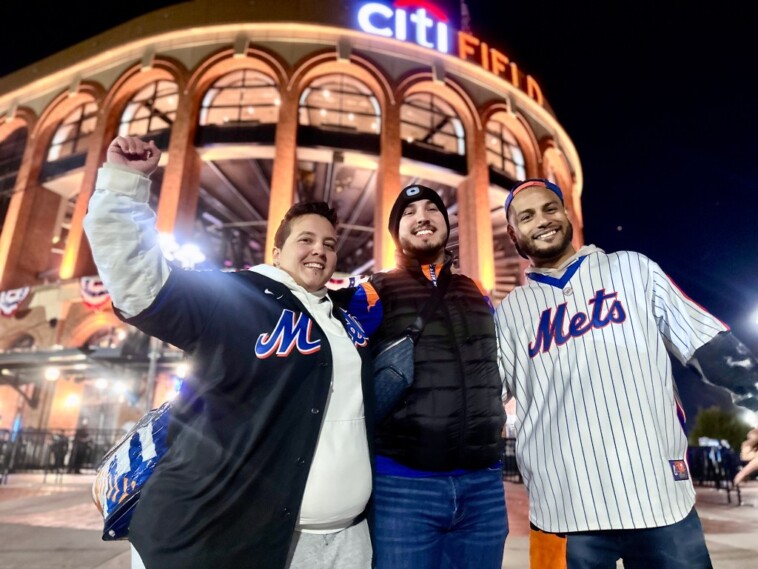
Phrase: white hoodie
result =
(339, 482)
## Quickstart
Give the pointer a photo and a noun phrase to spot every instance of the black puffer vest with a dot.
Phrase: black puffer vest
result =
(453, 415)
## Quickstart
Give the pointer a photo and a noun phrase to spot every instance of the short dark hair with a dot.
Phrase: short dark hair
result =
(298, 210)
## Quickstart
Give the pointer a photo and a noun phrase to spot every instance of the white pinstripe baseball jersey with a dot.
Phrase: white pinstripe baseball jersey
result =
(583, 350)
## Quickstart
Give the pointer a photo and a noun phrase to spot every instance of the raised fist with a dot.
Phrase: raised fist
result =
(135, 153)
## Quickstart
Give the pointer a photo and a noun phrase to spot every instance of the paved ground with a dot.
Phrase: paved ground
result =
(46, 524)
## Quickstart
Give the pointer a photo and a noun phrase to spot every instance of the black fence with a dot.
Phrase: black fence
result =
(63, 451)
(710, 466)
(715, 466)
(54, 451)
(511, 472)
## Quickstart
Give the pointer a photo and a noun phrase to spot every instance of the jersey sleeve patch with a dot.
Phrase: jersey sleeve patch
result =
(679, 470)
(366, 307)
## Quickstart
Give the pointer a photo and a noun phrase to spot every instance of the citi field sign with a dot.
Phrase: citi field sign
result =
(423, 23)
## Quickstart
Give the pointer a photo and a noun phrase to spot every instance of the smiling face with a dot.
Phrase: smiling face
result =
(539, 226)
(422, 232)
(309, 254)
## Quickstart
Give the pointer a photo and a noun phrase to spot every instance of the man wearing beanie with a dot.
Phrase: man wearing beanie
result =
(438, 490)
(585, 351)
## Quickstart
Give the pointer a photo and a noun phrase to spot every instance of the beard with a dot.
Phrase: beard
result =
(529, 250)
(427, 251)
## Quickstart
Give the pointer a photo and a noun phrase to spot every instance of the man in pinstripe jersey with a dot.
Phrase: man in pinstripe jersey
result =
(584, 350)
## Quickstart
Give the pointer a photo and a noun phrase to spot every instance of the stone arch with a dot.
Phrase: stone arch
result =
(89, 325)
(448, 90)
(358, 67)
(130, 82)
(23, 117)
(556, 166)
(227, 60)
(58, 109)
(519, 127)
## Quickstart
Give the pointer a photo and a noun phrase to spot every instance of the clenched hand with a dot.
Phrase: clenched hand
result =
(135, 153)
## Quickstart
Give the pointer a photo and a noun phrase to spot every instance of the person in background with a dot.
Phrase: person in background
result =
(269, 459)
(58, 450)
(439, 499)
(749, 454)
(584, 350)
(81, 448)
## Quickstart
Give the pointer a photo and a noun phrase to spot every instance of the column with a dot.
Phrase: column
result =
(474, 220)
(387, 186)
(285, 163)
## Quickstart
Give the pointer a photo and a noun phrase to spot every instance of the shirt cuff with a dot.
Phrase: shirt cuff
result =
(123, 180)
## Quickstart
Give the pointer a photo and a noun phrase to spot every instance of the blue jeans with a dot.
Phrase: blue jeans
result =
(440, 522)
(676, 546)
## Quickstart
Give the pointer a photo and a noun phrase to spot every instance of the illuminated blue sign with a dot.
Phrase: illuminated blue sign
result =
(427, 24)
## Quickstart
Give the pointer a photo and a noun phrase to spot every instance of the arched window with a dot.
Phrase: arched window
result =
(243, 96)
(503, 152)
(241, 107)
(341, 112)
(151, 111)
(340, 102)
(66, 157)
(427, 120)
(11, 154)
(73, 135)
(23, 343)
(111, 337)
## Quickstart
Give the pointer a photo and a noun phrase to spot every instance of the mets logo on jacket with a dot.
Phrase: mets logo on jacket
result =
(293, 331)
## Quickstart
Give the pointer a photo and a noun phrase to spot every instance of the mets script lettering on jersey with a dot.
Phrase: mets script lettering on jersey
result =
(551, 327)
(290, 331)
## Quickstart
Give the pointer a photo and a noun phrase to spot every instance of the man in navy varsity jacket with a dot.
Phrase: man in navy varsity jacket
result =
(269, 463)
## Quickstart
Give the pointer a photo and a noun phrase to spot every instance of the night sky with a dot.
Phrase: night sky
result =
(660, 100)
(662, 107)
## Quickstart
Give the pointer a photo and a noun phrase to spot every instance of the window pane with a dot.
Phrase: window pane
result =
(427, 120)
(503, 151)
(244, 96)
(71, 135)
(340, 102)
(152, 109)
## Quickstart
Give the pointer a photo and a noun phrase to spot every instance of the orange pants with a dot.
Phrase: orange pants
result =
(547, 550)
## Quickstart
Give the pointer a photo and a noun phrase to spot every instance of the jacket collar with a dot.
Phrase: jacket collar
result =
(414, 267)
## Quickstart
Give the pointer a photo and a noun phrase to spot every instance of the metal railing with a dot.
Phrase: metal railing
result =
(511, 472)
(57, 451)
(60, 451)
(716, 467)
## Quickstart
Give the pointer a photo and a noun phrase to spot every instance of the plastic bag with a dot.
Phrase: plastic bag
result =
(125, 469)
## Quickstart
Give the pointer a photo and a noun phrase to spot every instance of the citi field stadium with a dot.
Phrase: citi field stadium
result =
(255, 106)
